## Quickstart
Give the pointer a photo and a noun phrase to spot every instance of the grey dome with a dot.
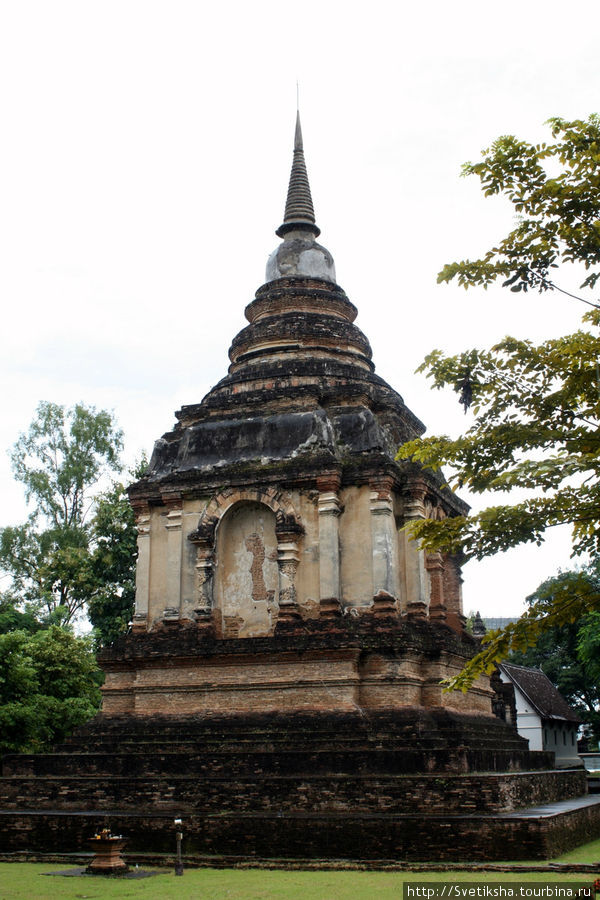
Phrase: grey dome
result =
(299, 254)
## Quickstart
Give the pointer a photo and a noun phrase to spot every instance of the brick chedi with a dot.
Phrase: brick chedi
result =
(276, 508)
(280, 686)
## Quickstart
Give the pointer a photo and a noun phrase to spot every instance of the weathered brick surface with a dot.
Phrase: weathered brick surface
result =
(335, 836)
(319, 784)
(371, 661)
(215, 792)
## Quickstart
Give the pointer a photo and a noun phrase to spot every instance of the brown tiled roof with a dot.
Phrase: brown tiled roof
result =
(540, 692)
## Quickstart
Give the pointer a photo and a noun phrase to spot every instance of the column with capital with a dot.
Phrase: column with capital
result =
(415, 574)
(142, 571)
(330, 508)
(384, 539)
(434, 563)
(455, 617)
(173, 522)
(288, 557)
(204, 577)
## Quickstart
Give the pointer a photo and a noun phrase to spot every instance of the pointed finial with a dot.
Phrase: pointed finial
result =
(299, 211)
(298, 135)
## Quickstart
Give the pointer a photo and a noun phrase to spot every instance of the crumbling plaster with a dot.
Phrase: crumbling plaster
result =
(349, 543)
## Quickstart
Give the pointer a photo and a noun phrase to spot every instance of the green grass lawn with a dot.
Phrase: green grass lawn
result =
(27, 881)
(588, 853)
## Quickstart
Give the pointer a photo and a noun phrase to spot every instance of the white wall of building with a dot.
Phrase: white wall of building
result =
(556, 735)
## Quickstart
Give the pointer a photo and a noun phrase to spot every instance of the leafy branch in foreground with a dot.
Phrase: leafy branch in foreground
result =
(557, 210)
(536, 407)
(537, 412)
(560, 602)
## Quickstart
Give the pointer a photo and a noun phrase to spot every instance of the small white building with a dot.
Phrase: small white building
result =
(543, 715)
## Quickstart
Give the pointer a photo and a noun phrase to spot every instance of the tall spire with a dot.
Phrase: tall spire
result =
(299, 211)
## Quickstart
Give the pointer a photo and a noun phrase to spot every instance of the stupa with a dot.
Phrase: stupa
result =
(275, 508)
(280, 689)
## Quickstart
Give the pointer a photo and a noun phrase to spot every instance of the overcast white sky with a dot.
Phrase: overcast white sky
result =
(143, 168)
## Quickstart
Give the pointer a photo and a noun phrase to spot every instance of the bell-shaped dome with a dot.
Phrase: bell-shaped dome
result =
(299, 254)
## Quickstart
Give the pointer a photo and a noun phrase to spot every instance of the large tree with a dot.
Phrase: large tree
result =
(570, 654)
(536, 408)
(65, 556)
(76, 553)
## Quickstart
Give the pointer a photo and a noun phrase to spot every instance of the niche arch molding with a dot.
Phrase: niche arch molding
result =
(288, 532)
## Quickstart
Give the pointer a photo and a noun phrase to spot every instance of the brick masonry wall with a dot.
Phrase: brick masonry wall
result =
(322, 664)
(217, 792)
(319, 785)
(342, 836)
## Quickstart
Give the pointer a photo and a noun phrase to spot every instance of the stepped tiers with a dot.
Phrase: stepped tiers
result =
(279, 495)
(377, 786)
(280, 688)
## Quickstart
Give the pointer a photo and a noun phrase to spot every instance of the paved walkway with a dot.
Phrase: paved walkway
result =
(552, 809)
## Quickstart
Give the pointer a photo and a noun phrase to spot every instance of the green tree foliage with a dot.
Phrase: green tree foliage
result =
(536, 414)
(49, 684)
(14, 619)
(62, 457)
(554, 191)
(113, 560)
(588, 648)
(75, 553)
(570, 654)
(77, 549)
(536, 407)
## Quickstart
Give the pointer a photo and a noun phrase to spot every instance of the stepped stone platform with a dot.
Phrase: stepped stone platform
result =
(408, 784)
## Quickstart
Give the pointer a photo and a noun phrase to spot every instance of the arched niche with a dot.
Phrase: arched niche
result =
(246, 570)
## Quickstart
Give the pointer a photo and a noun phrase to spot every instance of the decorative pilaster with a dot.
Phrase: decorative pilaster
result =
(142, 572)
(384, 539)
(203, 540)
(173, 525)
(414, 499)
(330, 509)
(434, 564)
(417, 588)
(288, 557)
(453, 593)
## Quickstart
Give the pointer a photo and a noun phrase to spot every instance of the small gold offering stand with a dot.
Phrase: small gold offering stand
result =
(107, 849)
